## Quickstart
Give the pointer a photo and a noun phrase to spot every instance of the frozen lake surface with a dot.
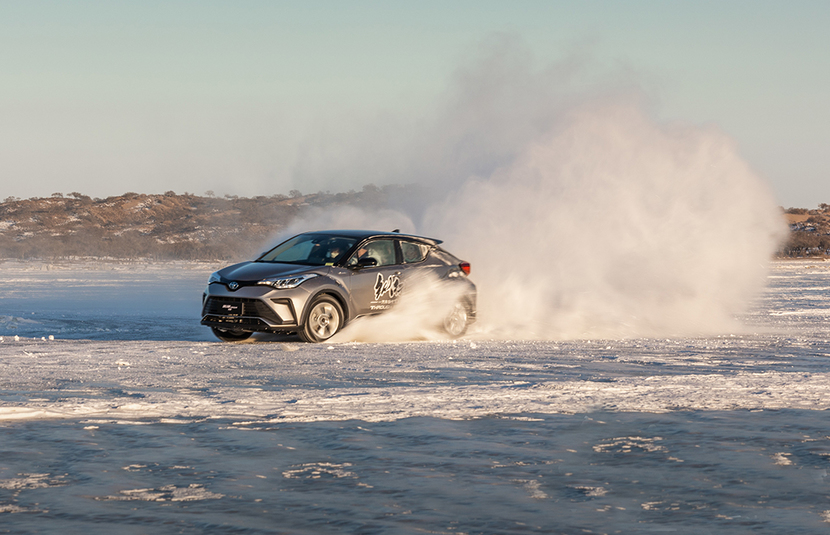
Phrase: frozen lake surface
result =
(133, 418)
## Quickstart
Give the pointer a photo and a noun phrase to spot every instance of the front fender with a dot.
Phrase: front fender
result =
(319, 286)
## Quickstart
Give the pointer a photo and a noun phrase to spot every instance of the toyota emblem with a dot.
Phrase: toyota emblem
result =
(232, 286)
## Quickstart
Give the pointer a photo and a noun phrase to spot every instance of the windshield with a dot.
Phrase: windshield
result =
(310, 250)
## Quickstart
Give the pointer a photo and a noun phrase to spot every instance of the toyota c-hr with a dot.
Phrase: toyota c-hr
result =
(315, 283)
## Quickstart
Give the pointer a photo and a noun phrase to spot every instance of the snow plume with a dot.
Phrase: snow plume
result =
(582, 215)
(613, 225)
(417, 315)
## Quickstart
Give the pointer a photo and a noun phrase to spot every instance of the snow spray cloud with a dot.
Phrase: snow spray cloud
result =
(583, 216)
(613, 225)
(417, 315)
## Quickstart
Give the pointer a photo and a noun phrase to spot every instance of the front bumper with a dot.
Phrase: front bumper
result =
(254, 314)
(252, 308)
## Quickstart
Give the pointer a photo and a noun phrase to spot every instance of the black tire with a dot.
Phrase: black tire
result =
(230, 336)
(322, 321)
(456, 321)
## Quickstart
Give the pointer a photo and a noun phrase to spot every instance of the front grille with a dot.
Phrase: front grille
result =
(242, 309)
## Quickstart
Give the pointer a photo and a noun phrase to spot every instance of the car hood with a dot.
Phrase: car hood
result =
(255, 271)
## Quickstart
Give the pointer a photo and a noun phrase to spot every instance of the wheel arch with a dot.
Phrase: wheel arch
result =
(330, 293)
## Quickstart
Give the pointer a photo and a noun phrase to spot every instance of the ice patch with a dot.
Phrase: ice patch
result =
(320, 471)
(627, 444)
(10, 508)
(533, 488)
(14, 322)
(167, 493)
(802, 312)
(591, 492)
(32, 481)
(782, 459)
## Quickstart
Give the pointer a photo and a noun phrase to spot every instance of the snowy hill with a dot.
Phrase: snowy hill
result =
(809, 232)
(168, 226)
(192, 227)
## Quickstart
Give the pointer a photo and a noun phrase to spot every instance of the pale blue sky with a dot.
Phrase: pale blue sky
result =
(108, 97)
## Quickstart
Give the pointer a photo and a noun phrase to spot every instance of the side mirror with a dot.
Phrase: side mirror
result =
(367, 262)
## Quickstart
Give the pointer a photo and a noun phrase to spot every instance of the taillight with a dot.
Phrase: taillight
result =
(465, 267)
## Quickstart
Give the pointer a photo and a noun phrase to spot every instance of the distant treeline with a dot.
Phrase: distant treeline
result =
(168, 226)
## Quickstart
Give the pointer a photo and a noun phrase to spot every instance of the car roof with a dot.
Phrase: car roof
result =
(363, 234)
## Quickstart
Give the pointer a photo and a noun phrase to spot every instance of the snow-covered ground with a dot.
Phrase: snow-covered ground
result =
(134, 416)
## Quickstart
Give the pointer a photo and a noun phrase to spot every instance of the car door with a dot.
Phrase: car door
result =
(374, 288)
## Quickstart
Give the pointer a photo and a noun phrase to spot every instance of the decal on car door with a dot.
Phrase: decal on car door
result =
(391, 285)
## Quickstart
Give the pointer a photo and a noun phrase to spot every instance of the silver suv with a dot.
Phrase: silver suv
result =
(315, 283)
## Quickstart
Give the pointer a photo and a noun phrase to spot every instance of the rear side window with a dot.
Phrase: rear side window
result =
(413, 252)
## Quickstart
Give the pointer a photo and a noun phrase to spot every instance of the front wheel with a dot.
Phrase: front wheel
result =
(324, 319)
(230, 336)
(455, 323)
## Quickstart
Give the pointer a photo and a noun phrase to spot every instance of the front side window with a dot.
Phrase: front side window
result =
(309, 249)
(383, 251)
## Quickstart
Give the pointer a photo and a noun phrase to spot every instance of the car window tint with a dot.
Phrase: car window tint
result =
(413, 252)
(310, 249)
(383, 251)
(296, 252)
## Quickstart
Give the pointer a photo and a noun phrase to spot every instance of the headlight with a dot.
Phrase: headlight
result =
(283, 283)
(214, 277)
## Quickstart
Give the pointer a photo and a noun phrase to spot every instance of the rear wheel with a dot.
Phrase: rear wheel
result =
(324, 319)
(456, 321)
(230, 336)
